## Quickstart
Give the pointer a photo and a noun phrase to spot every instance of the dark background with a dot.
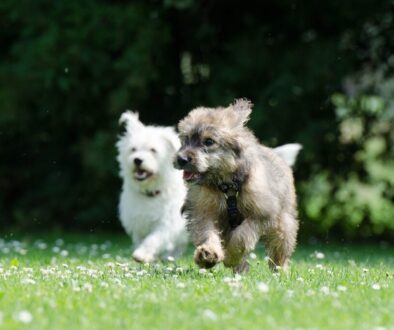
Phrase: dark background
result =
(318, 72)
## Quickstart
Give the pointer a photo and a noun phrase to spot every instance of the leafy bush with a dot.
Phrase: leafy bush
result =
(361, 199)
(68, 69)
(359, 196)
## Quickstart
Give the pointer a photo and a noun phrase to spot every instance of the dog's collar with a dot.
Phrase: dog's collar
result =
(231, 191)
(153, 193)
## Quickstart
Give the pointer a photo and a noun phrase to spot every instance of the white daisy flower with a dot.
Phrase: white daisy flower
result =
(207, 313)
(319, 255)
(22, 251)
(87, 287)
(310, 292)
(325, 290)
(142, 272)
(24, 317)
(376, 286)
(28, 281)
(42, 245)
(227, 279)
(180, 285)
(64, 253)
(59, 242)
(263, 287)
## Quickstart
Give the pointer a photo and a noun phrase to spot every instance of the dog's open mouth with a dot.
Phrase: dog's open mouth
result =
(141, 175)
(191, 176)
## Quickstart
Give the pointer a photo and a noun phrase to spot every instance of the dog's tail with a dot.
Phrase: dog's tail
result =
(288, 152)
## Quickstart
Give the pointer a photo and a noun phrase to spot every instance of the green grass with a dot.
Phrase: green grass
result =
(89, 282)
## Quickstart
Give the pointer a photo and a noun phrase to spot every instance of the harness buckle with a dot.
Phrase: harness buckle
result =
(226, 196)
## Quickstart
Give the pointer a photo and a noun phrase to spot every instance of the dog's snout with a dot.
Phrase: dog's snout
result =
(183, 160)
(137, 161)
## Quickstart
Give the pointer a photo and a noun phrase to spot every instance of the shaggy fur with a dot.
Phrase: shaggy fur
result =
(217, 148)
(153, 190)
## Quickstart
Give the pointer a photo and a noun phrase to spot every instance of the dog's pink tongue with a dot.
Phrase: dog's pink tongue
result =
(188, 175)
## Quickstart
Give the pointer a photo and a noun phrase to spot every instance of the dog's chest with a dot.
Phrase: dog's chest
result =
(140, 212)
(148, 208)
(216, 206)
(229, 212)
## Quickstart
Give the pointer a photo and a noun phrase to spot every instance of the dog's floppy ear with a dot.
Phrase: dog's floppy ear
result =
(172, 138)
(242, 109)
(130, 119)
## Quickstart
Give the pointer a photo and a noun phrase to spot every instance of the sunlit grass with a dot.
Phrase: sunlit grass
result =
(90, 282)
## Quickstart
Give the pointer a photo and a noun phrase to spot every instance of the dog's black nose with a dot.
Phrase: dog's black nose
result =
(137, 161)
(182, 161)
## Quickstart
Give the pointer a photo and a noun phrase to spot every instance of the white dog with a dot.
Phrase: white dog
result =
(153, 190)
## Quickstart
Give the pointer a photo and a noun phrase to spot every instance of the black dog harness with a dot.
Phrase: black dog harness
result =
(231, 191)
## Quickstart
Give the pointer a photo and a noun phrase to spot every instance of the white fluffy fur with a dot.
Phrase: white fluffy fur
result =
(288, 152)
(155, 224)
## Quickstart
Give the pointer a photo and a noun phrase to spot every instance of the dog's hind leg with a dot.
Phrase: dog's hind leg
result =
(241, 241)
(242, 268)
(280, 240)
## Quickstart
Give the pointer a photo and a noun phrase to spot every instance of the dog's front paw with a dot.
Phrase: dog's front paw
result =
(143, 257)
(206, 257)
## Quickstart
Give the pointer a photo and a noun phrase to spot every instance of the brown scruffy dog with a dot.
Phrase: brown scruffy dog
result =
(240, 191)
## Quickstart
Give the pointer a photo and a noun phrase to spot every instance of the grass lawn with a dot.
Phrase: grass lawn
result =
(89, 282)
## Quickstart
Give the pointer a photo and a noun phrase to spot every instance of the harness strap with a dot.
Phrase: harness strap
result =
(231, 191)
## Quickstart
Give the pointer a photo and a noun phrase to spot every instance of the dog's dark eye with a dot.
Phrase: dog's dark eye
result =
(153, 150)
(133, 149)
(208, 142)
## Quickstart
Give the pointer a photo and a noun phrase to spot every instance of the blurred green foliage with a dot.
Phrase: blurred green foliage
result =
(315, 72)
(358, 196)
